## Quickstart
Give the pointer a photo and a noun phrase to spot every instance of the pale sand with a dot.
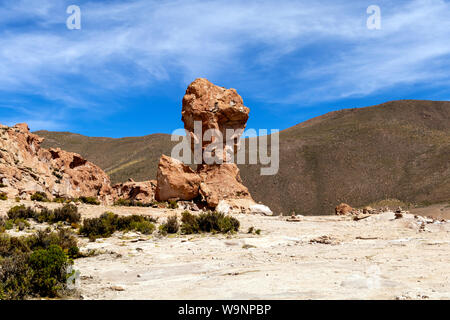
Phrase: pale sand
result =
(391, 259)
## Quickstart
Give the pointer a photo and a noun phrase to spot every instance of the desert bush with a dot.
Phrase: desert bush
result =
(63, 238)
(36, 265)
(102, 226)
(39, 196)
(105, 225)
(22, 212)
(3, 196)
(130, 203)
(15, 277)
(217, 222)
(2, 185)
(189, 223)
(89, 200)
(49, 268)
(67, 213)
(172, 204)
(144, 227)
(208, 222)
(252, 230)
(171, 225)
(12, 245)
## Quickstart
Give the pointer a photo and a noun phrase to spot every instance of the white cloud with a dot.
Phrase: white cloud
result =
(128, 45)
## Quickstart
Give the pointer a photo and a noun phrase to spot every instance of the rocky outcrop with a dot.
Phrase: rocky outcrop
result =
(143, 192)
(215, 108)
(26, 168)
(176, 181)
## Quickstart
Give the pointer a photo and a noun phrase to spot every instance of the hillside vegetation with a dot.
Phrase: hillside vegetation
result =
(396, 150)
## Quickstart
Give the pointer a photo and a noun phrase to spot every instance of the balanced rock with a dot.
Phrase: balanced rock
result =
(26, 168)
(215, 108)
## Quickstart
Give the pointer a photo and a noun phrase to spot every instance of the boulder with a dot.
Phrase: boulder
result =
(261, 209)
(26, 168)
(343, 209)
(176, 181)
(137, 191)
(221, 182)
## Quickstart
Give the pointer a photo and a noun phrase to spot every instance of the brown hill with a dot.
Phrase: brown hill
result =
(399, 149)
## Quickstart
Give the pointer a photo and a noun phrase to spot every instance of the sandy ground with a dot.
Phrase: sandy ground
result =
(376, 258)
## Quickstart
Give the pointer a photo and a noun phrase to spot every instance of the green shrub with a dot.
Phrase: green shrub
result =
(189, 223)
(15, 277)
(49, 271)
(41, 240)
(39, 196)
(2, 185)
(9, 224)
(208, 222)
(172, 204)
(90, 200)
(171, 225)
(130, 203)
(105, 225)
(217, 222)
(252, 230)
(3, 196)
(22, 212)
(35, 265)
(67, 213)
(60, 200)
(144, 227)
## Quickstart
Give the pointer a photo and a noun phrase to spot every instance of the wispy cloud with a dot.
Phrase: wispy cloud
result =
(313, 51)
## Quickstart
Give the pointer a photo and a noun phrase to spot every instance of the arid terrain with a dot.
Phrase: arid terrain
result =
(318, 257)
(342, 156)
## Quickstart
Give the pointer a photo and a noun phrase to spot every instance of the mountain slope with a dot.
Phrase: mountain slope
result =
(399, 149)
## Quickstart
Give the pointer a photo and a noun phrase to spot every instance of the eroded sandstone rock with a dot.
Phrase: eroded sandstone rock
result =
(221, 182)
(212, 107)
(143, 192)
(215, 108)
(26, 168)
(176, 180)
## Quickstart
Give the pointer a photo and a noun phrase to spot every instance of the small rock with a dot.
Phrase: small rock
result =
(398, 215)
(261, 209)
(117, 288)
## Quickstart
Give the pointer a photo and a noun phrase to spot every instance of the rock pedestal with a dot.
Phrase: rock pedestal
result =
(207, 106)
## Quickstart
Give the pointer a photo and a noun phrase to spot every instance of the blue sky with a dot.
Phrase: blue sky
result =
(125, 72)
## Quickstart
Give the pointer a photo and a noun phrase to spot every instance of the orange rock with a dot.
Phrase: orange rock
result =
(221, 182)
(343, 209)
(216, 108)
(138, 191)
(25, 168)
(176, 180)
